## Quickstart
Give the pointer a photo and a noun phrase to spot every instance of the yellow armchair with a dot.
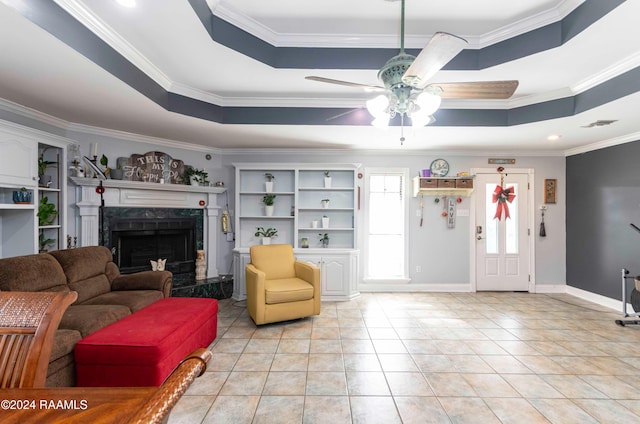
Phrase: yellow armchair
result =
(279, 288)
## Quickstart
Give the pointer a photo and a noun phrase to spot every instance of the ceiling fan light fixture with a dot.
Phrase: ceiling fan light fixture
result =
(428, 102)
(378, 106)
(421, 119)
(381, 122)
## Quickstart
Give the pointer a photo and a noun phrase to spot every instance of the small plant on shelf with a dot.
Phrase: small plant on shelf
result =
(268, 184)
(200, 177)
(268, 199)
(327, 174)
(269, 177)
(324, 239)
(43, 164)
(325, 203)
(327, 179)
(269, 232)
(46, 212)
(43, 242)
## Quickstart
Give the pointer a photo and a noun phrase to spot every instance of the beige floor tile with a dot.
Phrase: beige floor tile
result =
(357, 346)
(608, 411)
(279, 409)
(562, 411)
(239, 333)
(421, 410)
(469, 410)
(230, 346)
(208, 384)
(612, 386)
(361, 362)
(384, 333)
(326, 362)
(542, 365)
(297, 332)
(485, 347)
(326, 384)
(325, 346)
(373, 409)
(517, 347)
(294, 346)
(470, 364)
(367, 383)
(397, 362)
(285, 383)
(254, 362)
(490, 385)
(268, 332)
(190, 409)
(573, 387)
(290, 362)
(532, 386)
(240, 383)
(449, 384)
(448, 347)
(223, 361)
(326, 409)
(325, 333)
(421, 346)
(613, 366)
(515, 411)
(408, 384)
(434, 363)
(506, 364)
(389, 346)
(232, 410)
(257, 345)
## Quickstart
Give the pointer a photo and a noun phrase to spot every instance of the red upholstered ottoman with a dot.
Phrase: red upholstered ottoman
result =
(143, 348)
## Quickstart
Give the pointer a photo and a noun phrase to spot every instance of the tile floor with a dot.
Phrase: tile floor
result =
(423, 358)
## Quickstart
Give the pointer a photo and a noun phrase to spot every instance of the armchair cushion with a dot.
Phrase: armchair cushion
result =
(275, 260)
(287, 290)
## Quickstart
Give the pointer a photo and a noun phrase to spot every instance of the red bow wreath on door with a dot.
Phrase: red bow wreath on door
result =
(502, 196)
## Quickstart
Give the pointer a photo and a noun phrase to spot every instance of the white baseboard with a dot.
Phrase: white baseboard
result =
(550, 288)
(597, 298)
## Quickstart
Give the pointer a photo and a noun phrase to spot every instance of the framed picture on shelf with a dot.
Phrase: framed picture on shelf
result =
(550, 187)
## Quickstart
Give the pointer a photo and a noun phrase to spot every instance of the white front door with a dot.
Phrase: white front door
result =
(502, 245)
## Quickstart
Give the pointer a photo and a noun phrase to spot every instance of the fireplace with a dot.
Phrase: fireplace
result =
(137, 236)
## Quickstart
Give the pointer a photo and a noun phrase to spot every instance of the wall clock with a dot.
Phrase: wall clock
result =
(439, 168)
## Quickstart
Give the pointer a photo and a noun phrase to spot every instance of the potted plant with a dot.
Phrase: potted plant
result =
(325, 203)
(324, 239)
(43, 164)
(327, 179)
(268, 184)
(43, 242)
(196, 176)
(266, 234)
(325, 221)
(23, 196)
(117, 173)
(46, 212)
(268, 201)
(104, 161)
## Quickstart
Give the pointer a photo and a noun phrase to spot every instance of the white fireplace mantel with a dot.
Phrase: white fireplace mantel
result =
(136, 194)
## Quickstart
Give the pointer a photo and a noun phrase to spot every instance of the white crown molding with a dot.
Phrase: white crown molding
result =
(85, 16)
(226, 11)
(34, 114)
(628, 138)
(138, 138)
(618, 68)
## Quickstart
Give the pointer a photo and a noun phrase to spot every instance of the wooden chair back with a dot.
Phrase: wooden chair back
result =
(28, 322)
(158, 407)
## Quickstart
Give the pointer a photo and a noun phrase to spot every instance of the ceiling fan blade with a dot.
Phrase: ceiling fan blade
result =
(345, 83)
(474, 90)
(438, 52)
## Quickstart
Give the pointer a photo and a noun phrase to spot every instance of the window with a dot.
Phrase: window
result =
(385, 234)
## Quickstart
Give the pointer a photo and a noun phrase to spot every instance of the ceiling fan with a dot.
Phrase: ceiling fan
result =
(407, 90)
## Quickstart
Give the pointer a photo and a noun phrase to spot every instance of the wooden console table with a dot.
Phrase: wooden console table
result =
(72, 404)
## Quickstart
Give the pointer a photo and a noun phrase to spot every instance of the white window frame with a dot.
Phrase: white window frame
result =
(404, 172)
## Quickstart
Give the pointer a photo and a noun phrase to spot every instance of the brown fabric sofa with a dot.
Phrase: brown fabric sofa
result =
(104, 295)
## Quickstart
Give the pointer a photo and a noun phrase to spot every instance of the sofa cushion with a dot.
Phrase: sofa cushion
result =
(287, 290)
(88, 319)
(63, 342)
(133, 299)
(86, 270)
(39, 272)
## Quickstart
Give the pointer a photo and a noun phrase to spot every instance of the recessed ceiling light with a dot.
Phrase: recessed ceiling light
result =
(554, 137)
(127, 3)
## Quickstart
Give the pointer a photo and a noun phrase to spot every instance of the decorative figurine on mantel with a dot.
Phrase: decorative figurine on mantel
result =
(201, 266)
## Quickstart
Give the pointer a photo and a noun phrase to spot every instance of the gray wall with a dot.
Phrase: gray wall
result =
(603, 198)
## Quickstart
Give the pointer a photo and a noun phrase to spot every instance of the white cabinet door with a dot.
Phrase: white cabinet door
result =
(18, 159)
(335, 276)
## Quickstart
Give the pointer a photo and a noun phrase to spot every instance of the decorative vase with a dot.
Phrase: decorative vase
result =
(327, 182)
(268, 186)
(325, 243)
(201, 265)
(22, 197)
(325, 222)
(266, 240)
(116, 174)
(268, 210)
(193, 180)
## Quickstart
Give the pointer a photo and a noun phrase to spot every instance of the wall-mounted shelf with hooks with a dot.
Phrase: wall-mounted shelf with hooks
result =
(442, 186)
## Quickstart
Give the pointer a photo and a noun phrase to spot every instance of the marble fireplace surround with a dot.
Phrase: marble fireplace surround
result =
(132, 194)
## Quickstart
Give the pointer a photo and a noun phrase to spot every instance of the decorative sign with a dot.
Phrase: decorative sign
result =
(154, 167)
(501, 161)
(451, 212)
(550, 186)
